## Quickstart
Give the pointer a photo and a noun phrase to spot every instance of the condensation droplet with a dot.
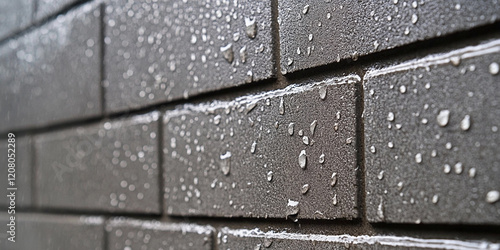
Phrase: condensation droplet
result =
(290, 128)
(435, 199)
(270, 176)
(465, 123)
(494, 68)
(380, 175)
(455, 60)
(458, 168)
(447, 168)
(225, 164)
(390, 144)
(472, 172)
(335, 202)
(333, 181)
(305, 9)
(373, 150)
(418, 158)
(322, 92)
(390, 116)
(292, 208)
(305, 140)
(402, 89)
(304, 189)
(443, 117)
(492, 196)
(250, 27)
(227, 52)
(322, 158)
(282, 106)
(312, 127)
(302, 159)
(253, 147)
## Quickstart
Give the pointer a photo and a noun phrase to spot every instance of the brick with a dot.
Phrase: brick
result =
(315, 33)
(23, 169)
(52, 74)
(175, 49)
(136, 234)
(258, 239)
(110, 166)
(238, 159)
(46, 8)
(14, 16)
(42, 231)
(431, 136)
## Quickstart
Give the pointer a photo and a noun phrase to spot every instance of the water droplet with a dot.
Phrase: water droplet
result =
(418, 158)
(289, 61)
(435, 199)
(390, 144)
(447, 168)
(305, 140)
(465, 123)
(458, 168)
(292, 208)
(448, 145)
(335, 202)
(322, 158)
(270, 176)
(455, 60)
(373, 150)
(310, 37)
(253, 147)
(322, 92)
(380, 175)
(301, 133)
(380, 209)
(434, 153)
(290, 128)
(298, 51)
(337, 115)
(333, 180)
(390, 116)
(472, 172)
(414, 18)
(402, 89)
(443, 117)
(225, 165)
(458, 6)
(304, 188)
(217, 119)
(492, 196)
(400, 185)
(302, 159)
(312, 127)
(282, 107)
(305, 9)
(243, 54)
(250, 28)
(227, 52)
(494, 68)
(348, 140)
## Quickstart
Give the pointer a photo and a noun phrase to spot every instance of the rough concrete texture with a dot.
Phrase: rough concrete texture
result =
(257, 239)
(14, 16)
(137, 234)
(431, 135)
(111, 166)
(60, 57)
(314, 33)
(285, 153)
(46, 8)
(22, 173)
(176, 49)
(61, 232)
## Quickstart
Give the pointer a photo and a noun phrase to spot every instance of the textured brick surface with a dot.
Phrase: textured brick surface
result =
(53, 73)
(45, 8)
(136, 234)
(111, 166)
(257, 239)
(14, 15)
(238, 158)
(61, 232)
(431, 135)
(175, 49)
(314, 33)
(22, 174)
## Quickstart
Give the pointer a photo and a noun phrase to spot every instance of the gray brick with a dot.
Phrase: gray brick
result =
(14, 16)
(329, 31)
(61, 232)
(238, 159)
(136, 234)
(22, 174)
(46, 8)
(111, 166)
(174, 49)
(52, 74)
(257, 239)
(432, 138)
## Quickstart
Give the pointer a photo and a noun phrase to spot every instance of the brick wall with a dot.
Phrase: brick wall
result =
(283, 124)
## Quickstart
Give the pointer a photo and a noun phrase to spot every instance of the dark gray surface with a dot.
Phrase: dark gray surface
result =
(52, 74)
(110, 166)
(55, 232)
(238, 159)
(23, 172)
(46, 8)
(357, 28)
(171, 49)
(136, 234)
(258, 239)
(14, 16)
(414, 186)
